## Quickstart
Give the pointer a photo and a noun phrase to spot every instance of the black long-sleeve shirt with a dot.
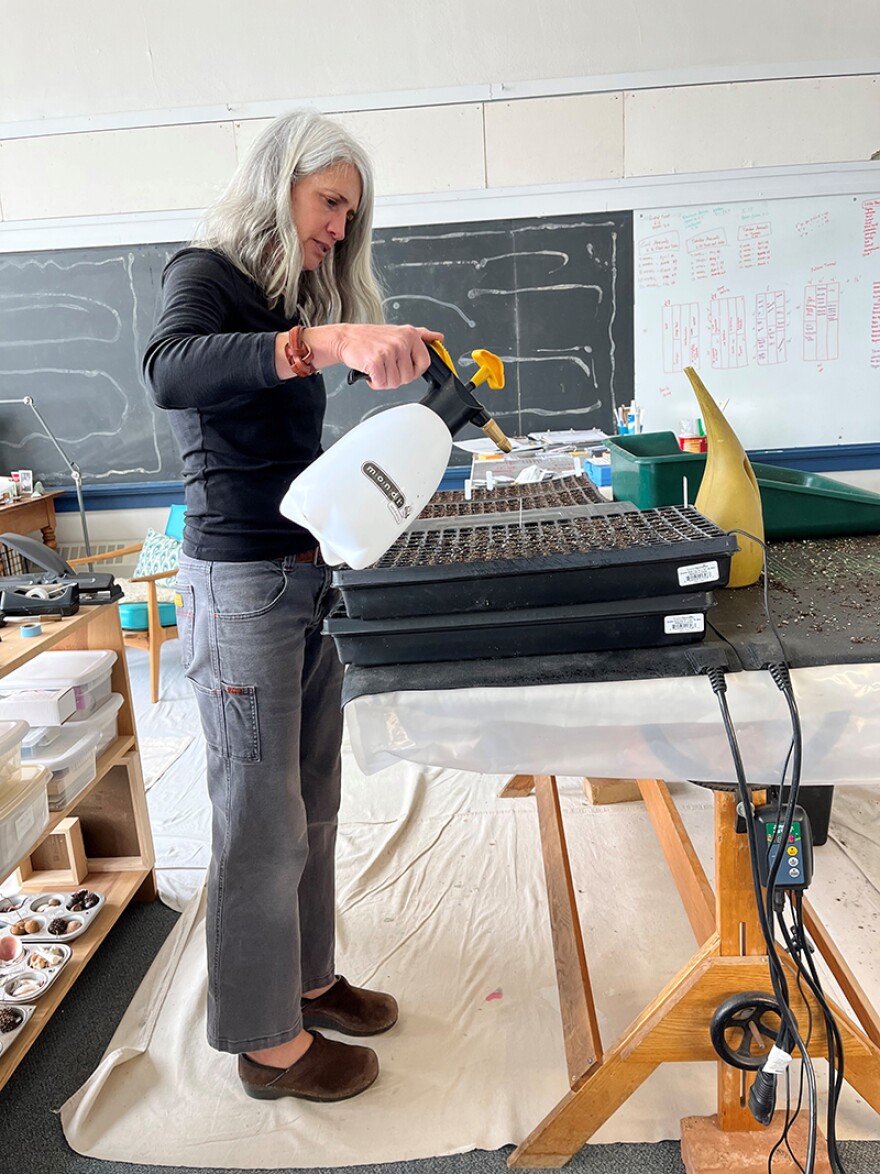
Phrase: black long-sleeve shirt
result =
(243, 434)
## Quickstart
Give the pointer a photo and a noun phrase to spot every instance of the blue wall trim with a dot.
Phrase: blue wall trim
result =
(158, 494)
(137, 496)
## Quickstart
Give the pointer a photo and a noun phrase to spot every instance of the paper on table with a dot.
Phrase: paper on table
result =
(486, 446)
(569, 436)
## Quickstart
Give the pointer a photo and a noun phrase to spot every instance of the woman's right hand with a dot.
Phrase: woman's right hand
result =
(390, 356)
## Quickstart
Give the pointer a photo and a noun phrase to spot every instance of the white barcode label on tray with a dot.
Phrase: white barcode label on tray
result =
(698, 573)
(24, 823)
(692, 623)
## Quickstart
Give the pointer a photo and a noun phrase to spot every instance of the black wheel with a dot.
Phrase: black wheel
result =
(744, 1028)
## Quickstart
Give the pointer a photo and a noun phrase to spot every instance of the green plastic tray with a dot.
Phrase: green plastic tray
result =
(648, 470)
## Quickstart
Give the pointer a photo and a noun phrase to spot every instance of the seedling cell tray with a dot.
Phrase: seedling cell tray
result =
(460, 566)
(628, 623)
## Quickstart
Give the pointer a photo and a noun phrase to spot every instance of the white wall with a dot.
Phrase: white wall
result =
(140, 110)
(119, 122)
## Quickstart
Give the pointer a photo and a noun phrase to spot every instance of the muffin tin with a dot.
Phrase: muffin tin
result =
(33, 973)
(21, 1013)
(38, 909)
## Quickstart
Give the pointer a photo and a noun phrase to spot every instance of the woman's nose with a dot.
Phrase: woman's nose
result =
(337, 227)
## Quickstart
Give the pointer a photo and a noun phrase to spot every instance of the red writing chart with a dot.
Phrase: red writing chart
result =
(776, 302)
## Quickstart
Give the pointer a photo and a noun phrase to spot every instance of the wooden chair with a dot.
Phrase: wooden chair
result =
(153, 621)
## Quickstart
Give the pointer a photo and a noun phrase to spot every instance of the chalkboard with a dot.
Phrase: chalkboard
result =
(553, 298)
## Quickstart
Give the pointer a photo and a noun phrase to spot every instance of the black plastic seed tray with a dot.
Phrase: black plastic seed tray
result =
(566, 491)
(560, 562)
(546, 631)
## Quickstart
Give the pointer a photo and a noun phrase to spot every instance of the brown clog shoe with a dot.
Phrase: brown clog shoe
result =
(350, 1009)
(329, 1071)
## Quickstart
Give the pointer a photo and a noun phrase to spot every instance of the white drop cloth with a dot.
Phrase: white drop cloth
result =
(157, 755)
(442, 901)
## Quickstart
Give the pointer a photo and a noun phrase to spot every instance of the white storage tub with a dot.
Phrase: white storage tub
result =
(38, 738)
(24, 816)
(11, 735)
(86, 672)
(104, 719)
(72, 762)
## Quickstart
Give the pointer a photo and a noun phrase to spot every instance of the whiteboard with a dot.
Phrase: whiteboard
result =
(776, 303)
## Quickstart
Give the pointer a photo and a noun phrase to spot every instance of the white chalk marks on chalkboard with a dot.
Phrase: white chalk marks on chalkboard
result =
(71, 332)
(545, 296)
(554, 299)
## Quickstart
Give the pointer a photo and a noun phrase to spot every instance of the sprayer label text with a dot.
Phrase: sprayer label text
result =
(380, 478)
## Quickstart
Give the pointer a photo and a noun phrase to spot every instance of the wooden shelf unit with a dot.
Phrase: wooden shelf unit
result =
(112, 811)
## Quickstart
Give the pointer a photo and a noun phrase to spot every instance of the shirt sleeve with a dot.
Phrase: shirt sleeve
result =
(193, 359)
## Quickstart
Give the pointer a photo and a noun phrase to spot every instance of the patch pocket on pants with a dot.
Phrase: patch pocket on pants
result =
(242, 730)
(229, 720)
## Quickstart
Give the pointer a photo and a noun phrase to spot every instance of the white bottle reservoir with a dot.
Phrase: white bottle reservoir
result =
(360, 495)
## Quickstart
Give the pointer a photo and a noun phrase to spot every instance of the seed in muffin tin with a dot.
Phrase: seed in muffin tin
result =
(58, 926)
(10, 1018)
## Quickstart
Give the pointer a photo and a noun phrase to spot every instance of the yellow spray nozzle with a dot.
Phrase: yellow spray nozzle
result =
(490, 370)
(444, 355)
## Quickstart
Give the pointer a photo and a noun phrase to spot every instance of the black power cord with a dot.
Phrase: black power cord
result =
(762, 1095)
(797, 944)
(801, 952)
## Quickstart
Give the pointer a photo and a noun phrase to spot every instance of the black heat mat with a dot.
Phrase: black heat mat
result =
(540, 558)
(627, 623)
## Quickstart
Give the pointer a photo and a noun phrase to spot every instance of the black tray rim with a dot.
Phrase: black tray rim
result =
(678, 604)
(684, 553)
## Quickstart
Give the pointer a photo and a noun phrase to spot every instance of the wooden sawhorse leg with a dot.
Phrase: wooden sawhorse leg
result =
(675, 1026)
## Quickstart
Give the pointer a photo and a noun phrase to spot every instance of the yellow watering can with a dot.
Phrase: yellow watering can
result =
(729, 494)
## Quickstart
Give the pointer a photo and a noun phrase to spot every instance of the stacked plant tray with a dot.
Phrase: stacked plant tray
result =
(531, 579)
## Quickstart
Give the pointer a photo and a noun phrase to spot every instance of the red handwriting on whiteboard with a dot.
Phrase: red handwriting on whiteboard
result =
(770, 327)
(872, 227)
(821, 321)
(680, 329)
(727, 330)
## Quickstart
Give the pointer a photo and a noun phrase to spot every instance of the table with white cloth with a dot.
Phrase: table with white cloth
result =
(650, 715)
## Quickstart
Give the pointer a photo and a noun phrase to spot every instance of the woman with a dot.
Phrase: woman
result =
(278, 287)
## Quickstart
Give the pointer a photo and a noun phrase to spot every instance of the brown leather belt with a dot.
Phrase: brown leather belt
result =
(310, 556)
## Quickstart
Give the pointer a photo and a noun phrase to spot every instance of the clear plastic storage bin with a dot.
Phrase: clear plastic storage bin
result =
(37, 739)
(11, 735)
(24, 816)
(86, 672)
(71, 760)
(104, 720)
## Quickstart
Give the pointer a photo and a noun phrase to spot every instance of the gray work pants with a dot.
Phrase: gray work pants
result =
(268, 689)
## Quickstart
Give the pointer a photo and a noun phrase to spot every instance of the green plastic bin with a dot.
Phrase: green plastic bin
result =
(648, 470)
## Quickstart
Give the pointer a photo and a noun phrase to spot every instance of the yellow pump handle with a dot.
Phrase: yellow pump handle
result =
(444, 355)
(490, 370)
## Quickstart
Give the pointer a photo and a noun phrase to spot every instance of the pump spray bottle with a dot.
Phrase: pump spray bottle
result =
(359, 496)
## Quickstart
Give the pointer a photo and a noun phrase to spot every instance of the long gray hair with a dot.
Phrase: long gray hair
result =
(251, 223)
